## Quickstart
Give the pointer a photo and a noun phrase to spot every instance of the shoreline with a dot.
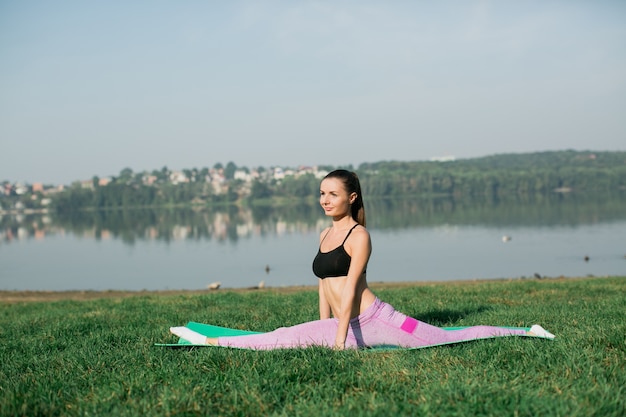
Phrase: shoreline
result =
(29, 296)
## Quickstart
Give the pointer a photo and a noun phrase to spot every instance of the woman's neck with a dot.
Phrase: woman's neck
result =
(342, 223)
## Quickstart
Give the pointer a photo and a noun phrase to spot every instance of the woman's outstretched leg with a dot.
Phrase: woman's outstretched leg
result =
(319, 332)
(313, 333)
(390, 327)
(424, 334)
(432, 335)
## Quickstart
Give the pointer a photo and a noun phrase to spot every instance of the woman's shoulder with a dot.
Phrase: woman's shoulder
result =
(360, 232)
(324, 232)
(358, 242)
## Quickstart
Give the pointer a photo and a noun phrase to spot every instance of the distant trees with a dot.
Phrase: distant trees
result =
(229, 171)
(260, 190)
(300, 187)
(493, 177)
(500, 175)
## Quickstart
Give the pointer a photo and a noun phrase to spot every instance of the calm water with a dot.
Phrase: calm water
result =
(412, 241)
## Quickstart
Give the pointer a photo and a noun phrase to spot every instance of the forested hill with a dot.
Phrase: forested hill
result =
(518, 161)
(499, 175)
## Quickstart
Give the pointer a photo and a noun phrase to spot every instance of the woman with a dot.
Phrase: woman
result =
(359, 318)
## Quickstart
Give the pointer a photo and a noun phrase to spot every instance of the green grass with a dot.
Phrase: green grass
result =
(97, 357)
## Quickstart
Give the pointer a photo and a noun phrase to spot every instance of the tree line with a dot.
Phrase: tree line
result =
(499, 176)
(521, 176)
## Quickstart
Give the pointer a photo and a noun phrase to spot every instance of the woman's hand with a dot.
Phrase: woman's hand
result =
(339, 346)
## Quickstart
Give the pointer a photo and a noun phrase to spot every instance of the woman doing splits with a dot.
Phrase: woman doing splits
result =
(351, 316)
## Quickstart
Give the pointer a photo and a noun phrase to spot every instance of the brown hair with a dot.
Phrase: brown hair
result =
(352, 185)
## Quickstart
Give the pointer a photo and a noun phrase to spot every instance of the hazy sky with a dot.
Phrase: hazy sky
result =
(89, 88)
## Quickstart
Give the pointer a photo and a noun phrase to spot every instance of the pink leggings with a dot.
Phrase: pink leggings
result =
(379, 325)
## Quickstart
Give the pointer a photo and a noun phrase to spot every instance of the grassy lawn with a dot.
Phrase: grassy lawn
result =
(96, 356)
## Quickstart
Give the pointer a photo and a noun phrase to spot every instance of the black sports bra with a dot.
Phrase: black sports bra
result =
(334, 263)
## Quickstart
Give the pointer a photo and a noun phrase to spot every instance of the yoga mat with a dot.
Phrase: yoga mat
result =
(209, 330)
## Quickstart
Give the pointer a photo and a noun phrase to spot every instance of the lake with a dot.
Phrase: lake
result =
(413, 240)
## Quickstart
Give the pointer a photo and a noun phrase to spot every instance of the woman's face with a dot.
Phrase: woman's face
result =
(334, 197)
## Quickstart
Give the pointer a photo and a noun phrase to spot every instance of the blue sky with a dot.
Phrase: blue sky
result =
(89, 88)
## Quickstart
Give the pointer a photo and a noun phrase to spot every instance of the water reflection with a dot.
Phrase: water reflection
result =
(229, 224)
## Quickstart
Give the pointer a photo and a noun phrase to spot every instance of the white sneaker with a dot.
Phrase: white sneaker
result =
(539, 331)
(189, 335)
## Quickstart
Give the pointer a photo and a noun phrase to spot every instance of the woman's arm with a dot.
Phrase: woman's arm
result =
(324, 304)
(359, 247)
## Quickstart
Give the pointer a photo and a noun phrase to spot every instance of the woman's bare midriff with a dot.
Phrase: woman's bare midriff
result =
(333, 288)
